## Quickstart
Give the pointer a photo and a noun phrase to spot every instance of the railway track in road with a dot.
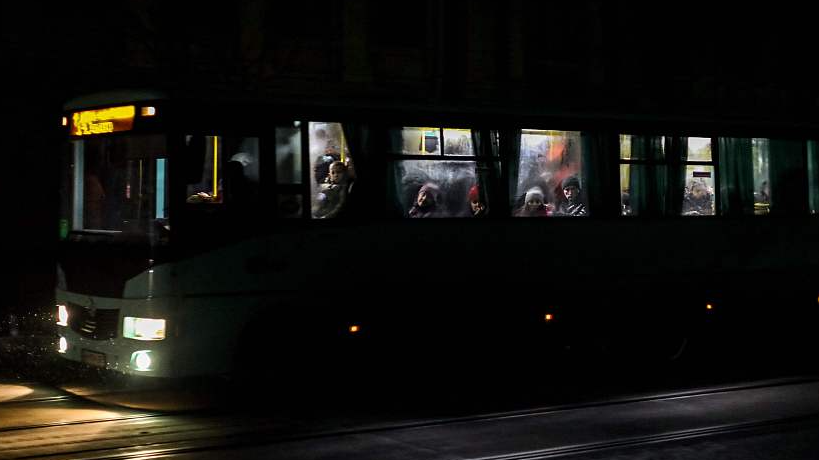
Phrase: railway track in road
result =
(133, 434)
(760, 427)
(222, 449)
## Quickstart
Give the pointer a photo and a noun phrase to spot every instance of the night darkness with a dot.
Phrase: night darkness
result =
(654, 62)
(668, 60)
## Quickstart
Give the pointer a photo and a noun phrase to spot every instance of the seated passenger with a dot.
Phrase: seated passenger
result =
(534, 205)
(427, 202)
(237, 186)
(332, 195)
(572, 206)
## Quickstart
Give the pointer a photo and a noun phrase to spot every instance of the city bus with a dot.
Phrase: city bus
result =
(206, 236)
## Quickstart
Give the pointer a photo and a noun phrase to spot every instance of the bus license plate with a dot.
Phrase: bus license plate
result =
(93, 358)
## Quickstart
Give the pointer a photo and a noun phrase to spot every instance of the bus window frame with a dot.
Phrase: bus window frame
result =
(485, 156)
(674, 164)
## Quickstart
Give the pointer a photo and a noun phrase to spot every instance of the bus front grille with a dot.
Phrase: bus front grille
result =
(93, 323)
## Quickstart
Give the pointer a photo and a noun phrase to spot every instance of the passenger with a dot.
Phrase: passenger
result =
(429, 144)
(534, 205)
(237, 187)
(697, 200)
(427, 202)
(321, 168)
(332, 195)
(476, 206)
(572, 206)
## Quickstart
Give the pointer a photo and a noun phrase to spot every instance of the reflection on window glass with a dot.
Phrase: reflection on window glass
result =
(625, 147)
(761, 149)
(418, 141)
(699, 197)
(699, 149)
(458, 142)
(118, 183)
(549, 175)
(333, 170)
(288, 154)
(438, 188)
(427, 141)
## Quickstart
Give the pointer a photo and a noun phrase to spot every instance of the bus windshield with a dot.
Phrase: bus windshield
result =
(115, 184)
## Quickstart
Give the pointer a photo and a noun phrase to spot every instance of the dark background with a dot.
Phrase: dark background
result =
(683, 60)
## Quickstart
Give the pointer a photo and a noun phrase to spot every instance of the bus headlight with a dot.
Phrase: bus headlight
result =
(143, 328)
(141, 360)
(62, 315)
(63, 345)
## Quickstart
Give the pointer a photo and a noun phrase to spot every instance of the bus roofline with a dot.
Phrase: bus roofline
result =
(113, 97)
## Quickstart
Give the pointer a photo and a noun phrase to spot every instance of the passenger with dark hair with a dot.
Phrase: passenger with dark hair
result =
(427, 202)
(322, 166)
(236, 187)
(332, 195)
(572, 206)
(534, 204)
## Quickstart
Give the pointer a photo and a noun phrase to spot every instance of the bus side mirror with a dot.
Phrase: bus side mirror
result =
(194, 159)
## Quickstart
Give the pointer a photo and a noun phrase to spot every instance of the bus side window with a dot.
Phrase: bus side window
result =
(643, 175)
(699, 193)
(549, 182)
(431, 184)
(333, 170)
(207, 188)
(229, 170)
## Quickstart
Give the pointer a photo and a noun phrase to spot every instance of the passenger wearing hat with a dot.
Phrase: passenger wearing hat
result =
(427, 202)
(534, 204)
(476, 206)
(572, 206)
(332, 195)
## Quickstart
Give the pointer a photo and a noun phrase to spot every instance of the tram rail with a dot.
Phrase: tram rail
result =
(175, 435)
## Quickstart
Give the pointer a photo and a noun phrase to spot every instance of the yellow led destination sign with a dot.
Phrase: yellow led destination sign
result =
(110, 120)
